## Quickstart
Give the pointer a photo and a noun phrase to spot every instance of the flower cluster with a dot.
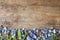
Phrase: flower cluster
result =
(32, 34)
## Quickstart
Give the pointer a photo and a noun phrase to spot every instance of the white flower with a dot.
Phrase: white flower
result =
(23, 29)
(54, 31)
(28, 38)
(34, 36)
(37, 30)
(13, 35)
(49, 35)
(50, 31)
(5, 28)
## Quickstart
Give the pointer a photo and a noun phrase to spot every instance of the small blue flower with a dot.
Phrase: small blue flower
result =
(28, 38)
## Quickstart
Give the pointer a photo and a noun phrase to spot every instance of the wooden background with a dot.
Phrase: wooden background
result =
(30, 13)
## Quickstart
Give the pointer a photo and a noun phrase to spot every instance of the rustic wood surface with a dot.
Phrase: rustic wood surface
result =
(30, 13)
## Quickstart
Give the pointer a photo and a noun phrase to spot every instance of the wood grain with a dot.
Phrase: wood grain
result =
(30, 13)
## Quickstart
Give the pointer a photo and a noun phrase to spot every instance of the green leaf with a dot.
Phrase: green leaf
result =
(9, 38)
(14, 38)
(0, 37)
(26, 33)
(41, 38)
(6, 36)
(54, 38)
(19, 33)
